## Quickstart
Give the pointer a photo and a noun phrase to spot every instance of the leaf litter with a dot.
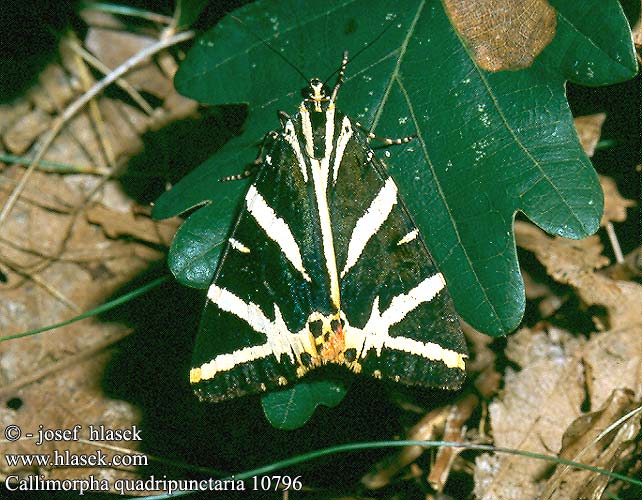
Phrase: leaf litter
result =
(63, 252)
(560, 392)
(542, 407)
(560, 389)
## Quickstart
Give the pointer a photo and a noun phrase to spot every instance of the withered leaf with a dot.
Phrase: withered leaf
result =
(63, 264)
(574, 263)
(537, 404)
(613, 359)
(615, 204)
(55, 89)
(117, 224)
(430, 426)
(62, 400)
(11, 112)
(23, 133)
(503, 34)
(115, 47)
(581, 444)
(589, 129)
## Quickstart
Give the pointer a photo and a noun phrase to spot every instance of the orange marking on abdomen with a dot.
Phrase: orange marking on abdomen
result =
(334, 346)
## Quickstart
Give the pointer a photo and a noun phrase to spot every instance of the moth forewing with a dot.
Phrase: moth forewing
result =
(324, 265)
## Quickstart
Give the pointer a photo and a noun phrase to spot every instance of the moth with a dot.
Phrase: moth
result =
(324, 265)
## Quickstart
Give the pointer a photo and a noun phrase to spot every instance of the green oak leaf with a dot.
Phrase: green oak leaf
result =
(189, 10)
(488, 144)
(291, 408)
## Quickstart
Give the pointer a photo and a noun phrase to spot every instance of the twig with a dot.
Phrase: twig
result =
(95, 115)
(31, 275)
(61, 364)
(610, 230)
(73, 108)
(53, 167)
(131, 12)
(123, 84)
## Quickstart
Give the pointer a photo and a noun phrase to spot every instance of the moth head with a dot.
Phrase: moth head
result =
(315, 96)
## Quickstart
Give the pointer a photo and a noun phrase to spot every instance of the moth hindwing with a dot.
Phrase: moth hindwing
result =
(324, 265)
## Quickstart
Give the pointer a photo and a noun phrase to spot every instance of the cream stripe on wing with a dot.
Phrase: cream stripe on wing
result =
(276, 228)
(342, 142)
(411, 236)
(370, 222)
(237, 245)
(291, 138)
(329, 132)
(403, 303)
(279, 339)
(376, 333)
(306, 128)
(428, 350)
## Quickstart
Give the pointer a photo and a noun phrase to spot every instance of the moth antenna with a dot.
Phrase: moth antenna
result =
(285, 59)
(342, 72)
(358, 53)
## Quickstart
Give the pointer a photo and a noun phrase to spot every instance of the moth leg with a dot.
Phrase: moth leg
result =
(251, 169)
(386, 140)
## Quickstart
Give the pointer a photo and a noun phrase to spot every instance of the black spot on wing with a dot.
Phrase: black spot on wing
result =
(316, 328)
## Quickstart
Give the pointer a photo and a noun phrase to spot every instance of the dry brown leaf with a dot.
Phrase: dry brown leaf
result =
(613, 359)
(534, 289)
(60, 263)
(117, 224)
(113, 47)
(503, 34)
(54, 196)
(614, 204)
(36, 370)
(10, 113)
(584, 442)
(485, 356)
(63, 400)
(574, 263)
(589, 129)
(55, 90)
(537, 404)
(36, 230)
(447, 423)
(454, 431)
(22, 134)
(487, 384)
(100, 19)
(629, 268)
(548, 301)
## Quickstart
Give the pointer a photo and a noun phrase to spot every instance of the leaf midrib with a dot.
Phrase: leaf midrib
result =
(395, 77)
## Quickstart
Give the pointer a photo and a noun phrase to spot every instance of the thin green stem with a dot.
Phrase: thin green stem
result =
(94, 312)
(60, 168)
(306, 457)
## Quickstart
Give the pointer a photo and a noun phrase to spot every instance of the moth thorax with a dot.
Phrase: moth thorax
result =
(317, 119)
(318, 131)
(315, 97)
